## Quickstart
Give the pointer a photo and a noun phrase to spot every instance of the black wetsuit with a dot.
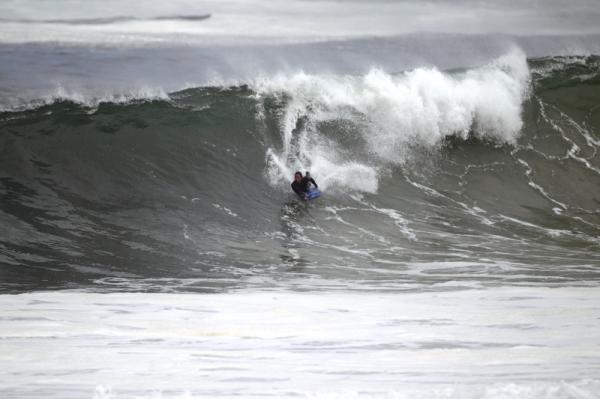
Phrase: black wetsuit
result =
(302, 188)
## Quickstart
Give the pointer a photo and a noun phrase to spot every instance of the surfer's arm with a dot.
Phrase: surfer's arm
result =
(297, 190)
(314, 182)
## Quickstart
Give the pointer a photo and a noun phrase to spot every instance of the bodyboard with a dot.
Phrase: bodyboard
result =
(312, 194)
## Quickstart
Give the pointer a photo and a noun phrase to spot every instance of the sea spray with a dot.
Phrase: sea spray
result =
(393, 113)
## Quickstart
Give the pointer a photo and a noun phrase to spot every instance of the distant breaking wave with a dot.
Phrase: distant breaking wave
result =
(105, 21)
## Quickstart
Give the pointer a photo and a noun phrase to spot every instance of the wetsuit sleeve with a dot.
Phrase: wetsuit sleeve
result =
(296, 188)
(314, 182)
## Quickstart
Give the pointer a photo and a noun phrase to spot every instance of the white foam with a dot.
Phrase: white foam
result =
(86, 98)
(491, 343)
(393, 113)
(226, 210)
(399, 221)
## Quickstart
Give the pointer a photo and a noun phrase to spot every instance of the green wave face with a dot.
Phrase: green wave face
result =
(438, 175)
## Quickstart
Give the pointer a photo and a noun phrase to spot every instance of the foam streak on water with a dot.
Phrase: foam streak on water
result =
(497, 343)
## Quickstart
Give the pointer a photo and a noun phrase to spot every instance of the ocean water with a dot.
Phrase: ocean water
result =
(151, 247)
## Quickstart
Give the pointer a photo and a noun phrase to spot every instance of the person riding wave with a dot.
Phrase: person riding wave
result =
(312, 184)
(301, 185)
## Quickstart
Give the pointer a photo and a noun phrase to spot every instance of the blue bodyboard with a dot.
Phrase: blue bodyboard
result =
(312, 194)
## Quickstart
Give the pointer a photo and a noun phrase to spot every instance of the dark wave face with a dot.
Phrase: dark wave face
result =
(430, 180)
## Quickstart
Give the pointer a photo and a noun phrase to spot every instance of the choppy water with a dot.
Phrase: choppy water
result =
(493, 343)
(150, 245)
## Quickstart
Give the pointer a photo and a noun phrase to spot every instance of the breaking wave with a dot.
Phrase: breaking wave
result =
(189, 190)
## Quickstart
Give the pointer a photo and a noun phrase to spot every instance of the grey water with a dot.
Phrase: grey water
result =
(150, 244)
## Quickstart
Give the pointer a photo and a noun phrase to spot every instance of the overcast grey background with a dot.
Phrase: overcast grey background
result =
(245, 21)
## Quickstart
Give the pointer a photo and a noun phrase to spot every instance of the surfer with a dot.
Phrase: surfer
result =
(312, 184)
(301, 185)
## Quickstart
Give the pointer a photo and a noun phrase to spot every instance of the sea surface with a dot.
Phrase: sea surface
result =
(151, 246)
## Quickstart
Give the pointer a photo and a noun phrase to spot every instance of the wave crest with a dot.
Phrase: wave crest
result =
(392, 113)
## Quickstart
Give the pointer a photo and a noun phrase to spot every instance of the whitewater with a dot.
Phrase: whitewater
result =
(151, 247)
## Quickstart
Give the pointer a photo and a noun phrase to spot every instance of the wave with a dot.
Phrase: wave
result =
(392, 114)
(61, 94)
(105, 20)
(436, 172)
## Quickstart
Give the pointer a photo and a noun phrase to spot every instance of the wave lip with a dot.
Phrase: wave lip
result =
(62, 94)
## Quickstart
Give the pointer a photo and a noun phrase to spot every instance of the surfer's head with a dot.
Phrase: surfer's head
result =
(298, 176)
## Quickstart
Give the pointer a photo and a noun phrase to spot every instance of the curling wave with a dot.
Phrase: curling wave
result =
(392, 114)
